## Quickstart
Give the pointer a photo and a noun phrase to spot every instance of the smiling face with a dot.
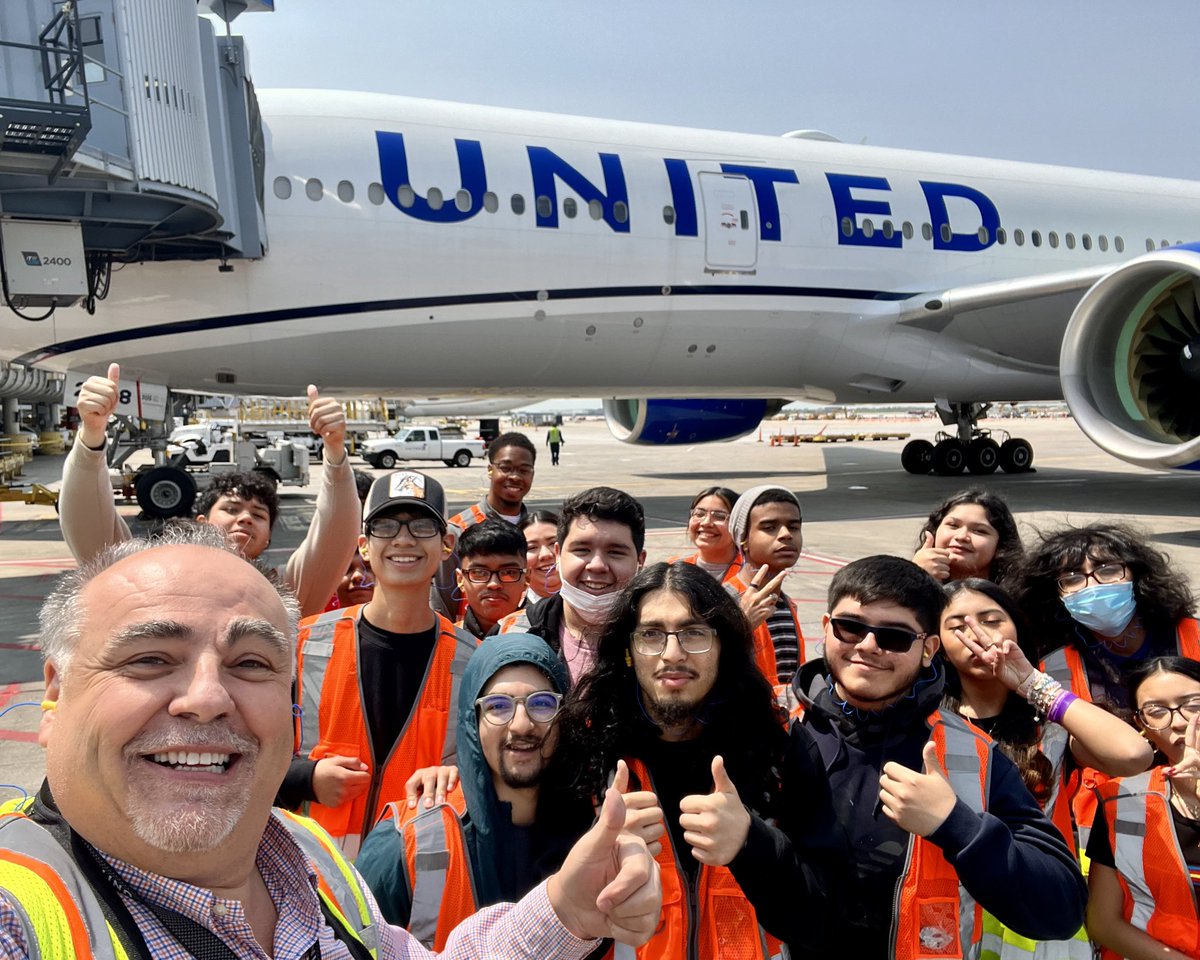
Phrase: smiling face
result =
(404, 562)
(991, 617)
(511, 476)
(1169, 690)
(971, 539)
(173, 725)
(773, 536)
(540, 559)
(517, 752)
(674, 683)
(598, 556)
(710, 530)
(357, 584)
(245, 520)
(865, 675)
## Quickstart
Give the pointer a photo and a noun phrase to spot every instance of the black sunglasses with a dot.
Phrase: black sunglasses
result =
(892, 639)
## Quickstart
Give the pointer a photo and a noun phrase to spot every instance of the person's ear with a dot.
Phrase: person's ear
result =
(931, 644)
(49, 702)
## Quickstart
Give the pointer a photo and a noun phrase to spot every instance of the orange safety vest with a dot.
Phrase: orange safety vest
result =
(1066, 666)
(1159, 897)
(437, 866)
(468, 518)
(713, 921)
(764, 646)
(731, 572)
(333, 722)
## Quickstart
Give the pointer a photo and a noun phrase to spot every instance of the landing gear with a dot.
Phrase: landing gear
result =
(166, 492)
(968, 448)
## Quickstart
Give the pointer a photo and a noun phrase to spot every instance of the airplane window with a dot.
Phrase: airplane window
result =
(1053, 238)
(1019, 237)
(1164, 244)
(668, 214)
(888, 229)
(1070, 238)
(1102, 240)
(314, 189)
(927, 231)
(543, 206)
(945, 232)
(1001, 236)
(345, 191)
(375, 193)
(1149, 244)
(434, 198)
(1086, 239)
(745, 217)
(847, 227)
(462, 200)
(1119, 244)
(907, 230)
(868, 228)
(406, 195)
(595, 209)
(518, 204)
(1035, 237)
(620, 211)
(983, 235)
(282, 187)
(491, 202)
(570, 207)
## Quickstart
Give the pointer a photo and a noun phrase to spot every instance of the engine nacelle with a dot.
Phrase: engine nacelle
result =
(657, 421)
(1129, 363)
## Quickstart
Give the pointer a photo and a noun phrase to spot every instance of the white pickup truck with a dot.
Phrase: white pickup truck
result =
(422, 443)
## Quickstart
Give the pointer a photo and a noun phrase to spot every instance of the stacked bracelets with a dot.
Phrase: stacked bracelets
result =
(1046, 695)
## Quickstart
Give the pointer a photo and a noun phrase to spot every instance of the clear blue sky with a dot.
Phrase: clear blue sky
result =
(1099, 83)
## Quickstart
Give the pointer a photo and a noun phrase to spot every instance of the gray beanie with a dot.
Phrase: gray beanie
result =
(739, 516)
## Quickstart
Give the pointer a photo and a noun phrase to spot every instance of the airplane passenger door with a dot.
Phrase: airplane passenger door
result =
(730, 223)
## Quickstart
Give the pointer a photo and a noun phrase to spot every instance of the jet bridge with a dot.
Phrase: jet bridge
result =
(129, 131)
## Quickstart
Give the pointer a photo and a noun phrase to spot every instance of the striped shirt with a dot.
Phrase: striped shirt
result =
(785, 637)
(528, 929)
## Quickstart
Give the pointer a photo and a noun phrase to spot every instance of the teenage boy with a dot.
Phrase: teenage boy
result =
(491, 574)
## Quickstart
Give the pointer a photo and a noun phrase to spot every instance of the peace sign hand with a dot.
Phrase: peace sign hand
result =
(1188, 767)
(760, 598)
(1004, 657)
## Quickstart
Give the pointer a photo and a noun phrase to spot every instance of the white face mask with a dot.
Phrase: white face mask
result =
(592, 608)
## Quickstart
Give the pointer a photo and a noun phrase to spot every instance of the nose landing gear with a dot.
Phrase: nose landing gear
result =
(969, 448)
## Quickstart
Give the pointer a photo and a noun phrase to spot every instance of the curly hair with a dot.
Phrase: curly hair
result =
(604, 720)
(1162, 595)
(248, 485)
(1005, 568)
(1016, 732)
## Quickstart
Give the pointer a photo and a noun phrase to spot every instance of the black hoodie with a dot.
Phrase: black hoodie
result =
(1011, 859)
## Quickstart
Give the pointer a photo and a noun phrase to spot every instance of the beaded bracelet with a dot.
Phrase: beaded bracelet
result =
(1026, 685)
(1059, 708)
(1044, 699)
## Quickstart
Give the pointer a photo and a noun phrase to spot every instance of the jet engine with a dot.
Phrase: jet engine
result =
(658, 421)
(1130, 361)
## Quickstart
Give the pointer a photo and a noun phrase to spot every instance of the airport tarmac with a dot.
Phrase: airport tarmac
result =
(856, 498)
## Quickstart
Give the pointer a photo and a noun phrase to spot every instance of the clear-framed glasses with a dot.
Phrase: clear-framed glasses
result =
(892, 639)
(513, 470)
(422, 528)
(716, 516)
(1105, 573)
(484, 575)
(1158, 716)
(651, 641)
(499, 708)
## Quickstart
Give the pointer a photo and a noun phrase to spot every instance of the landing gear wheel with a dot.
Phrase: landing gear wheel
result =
(462, 458)
(983, 455)
(917, 456)
(949, 458)
(166, 492)
(387, 461)
(1016, 456)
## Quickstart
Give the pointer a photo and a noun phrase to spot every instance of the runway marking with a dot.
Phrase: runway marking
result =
(22, 736)
(8, 693)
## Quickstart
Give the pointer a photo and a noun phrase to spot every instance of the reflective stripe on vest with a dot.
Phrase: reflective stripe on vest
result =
(331, 699)
(517, 622)
(439, 874)
(726, 925)
(935, 915)
(1154, 878)
(468, 518)
(764, 646)
(1000, 943)
(338, 883)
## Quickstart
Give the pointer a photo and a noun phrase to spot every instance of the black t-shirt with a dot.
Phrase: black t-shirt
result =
(391, 669)
(679, 769)
(1187, 832)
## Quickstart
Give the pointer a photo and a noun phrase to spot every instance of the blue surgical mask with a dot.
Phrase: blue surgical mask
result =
(1105, 608)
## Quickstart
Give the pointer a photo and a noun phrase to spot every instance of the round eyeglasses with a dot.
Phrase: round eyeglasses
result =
(1105, 573)
(500, 708)
(651, 641)
(1158, 716)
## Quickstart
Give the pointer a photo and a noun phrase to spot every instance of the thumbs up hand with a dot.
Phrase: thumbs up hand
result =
(643, 815)
(97, 401)
(715, 824)
(327, 420)
(918, 802)
(935, 561)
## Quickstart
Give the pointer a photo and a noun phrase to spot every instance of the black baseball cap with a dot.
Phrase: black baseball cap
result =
(406, 489)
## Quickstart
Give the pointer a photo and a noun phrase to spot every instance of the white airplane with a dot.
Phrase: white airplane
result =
(437, 248)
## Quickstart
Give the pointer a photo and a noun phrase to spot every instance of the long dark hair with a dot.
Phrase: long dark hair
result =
(1005, 567)
(1162, 595)
(1016, 731)
(1184, 666)
(604, 721)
